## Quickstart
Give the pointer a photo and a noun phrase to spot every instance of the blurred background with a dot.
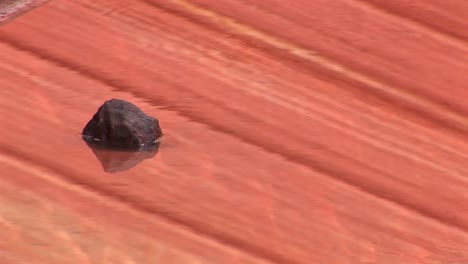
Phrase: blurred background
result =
(296, 132)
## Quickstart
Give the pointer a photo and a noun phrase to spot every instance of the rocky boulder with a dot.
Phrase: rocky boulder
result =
(122, 125)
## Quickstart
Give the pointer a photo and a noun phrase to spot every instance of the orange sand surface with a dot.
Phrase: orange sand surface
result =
(296, 132)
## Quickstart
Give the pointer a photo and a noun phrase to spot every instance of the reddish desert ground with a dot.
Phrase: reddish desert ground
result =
(296, 132)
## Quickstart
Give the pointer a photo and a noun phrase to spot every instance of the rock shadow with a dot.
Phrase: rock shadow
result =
(115, 160)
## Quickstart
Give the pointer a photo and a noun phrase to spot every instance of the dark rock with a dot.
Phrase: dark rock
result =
(113, 161)
(121, 125)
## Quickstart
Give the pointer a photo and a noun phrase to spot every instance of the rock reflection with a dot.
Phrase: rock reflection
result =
(118, 160)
